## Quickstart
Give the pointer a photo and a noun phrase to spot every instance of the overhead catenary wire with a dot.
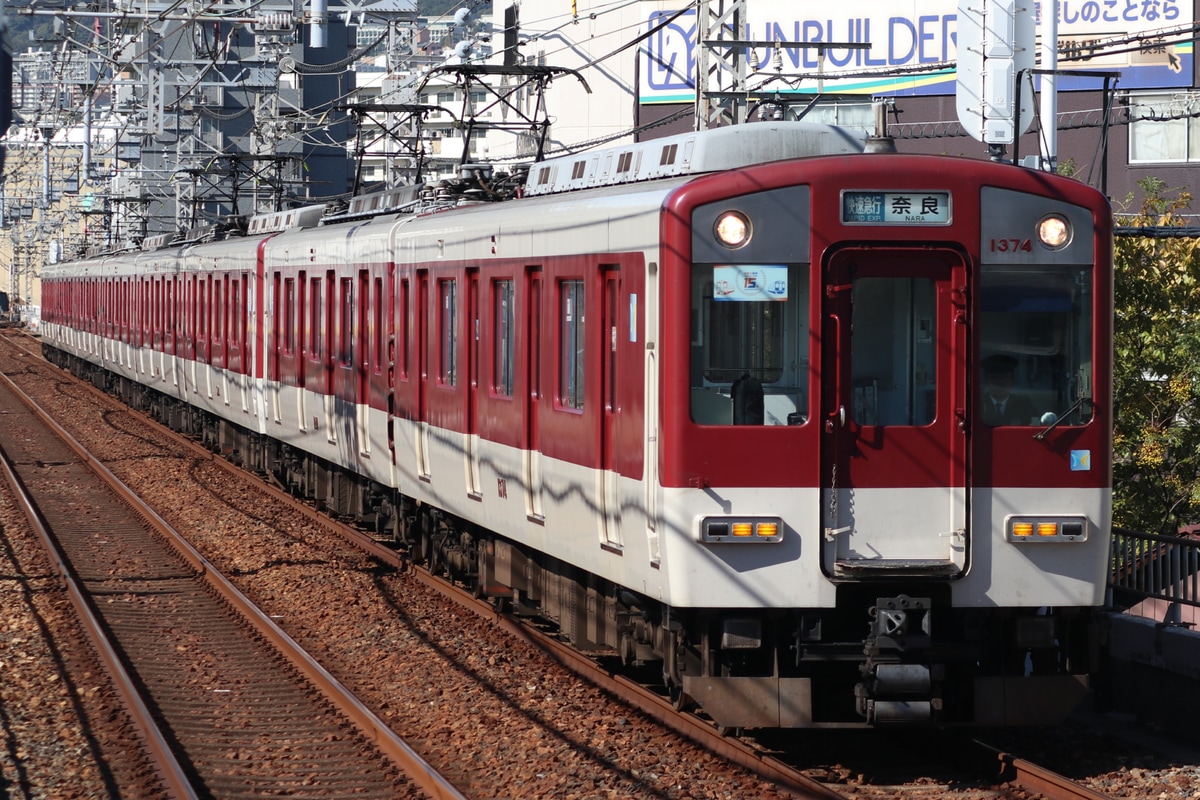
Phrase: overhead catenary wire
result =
(316, 128)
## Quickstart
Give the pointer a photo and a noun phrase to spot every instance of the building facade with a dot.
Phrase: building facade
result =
(837, 63)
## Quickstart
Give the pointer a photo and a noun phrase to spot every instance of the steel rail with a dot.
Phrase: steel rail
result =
(1032, 778)
(371, 726)
(174, 778)
(689, 726)
(1018, 771)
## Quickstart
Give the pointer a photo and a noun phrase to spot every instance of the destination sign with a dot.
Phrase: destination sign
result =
(896, 208)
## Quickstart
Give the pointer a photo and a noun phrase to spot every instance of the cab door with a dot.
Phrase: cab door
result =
(893, 411)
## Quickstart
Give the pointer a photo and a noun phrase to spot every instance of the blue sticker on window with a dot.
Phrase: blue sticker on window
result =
(1081, 460)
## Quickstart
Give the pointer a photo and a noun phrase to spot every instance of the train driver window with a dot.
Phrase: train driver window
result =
(1035, 345)
(749, 363)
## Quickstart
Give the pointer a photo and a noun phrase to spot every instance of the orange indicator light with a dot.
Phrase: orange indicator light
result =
(1022, 529)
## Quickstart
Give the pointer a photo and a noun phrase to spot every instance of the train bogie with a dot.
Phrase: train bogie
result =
(826, 439)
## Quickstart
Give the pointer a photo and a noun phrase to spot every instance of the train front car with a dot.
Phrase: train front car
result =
(886, 436)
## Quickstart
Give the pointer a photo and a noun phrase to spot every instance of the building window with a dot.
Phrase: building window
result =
(1161, 128)
(571, 340)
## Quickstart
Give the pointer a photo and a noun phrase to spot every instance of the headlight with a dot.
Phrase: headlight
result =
(1054, 231)
(741, 529)
(732, 229)
(1046, 529)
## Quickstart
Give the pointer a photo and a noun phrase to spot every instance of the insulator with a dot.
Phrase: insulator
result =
(274, 22)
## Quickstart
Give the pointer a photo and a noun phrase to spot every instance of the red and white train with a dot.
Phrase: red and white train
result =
(715, 401)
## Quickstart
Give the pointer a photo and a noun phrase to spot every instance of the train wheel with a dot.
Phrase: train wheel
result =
(680, 700)
(479, 578)
(429, 552)
(426, 552)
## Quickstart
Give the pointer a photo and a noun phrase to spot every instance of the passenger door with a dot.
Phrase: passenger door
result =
(533, 372)
(610, 333)
(893, 406)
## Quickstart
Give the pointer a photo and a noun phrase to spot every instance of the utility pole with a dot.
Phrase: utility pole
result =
(720, 63)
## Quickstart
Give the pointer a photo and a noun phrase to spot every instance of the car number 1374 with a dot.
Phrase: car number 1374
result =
(1010, 245)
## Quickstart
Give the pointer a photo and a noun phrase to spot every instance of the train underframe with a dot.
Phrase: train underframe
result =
(890, 652)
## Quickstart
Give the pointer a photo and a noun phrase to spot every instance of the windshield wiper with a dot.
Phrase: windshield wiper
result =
(1058, 420)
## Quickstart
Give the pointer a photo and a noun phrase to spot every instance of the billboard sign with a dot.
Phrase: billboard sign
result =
(913, 46)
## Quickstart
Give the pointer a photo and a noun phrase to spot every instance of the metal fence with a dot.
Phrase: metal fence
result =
(1156, 576)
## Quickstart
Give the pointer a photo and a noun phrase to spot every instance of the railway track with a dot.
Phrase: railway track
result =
(225, 704)
(1005, 776)
(640, 697)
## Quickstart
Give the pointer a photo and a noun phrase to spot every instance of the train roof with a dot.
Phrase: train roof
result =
(678, 156)
(692, 153)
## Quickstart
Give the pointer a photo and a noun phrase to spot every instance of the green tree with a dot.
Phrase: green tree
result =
(1156, 366)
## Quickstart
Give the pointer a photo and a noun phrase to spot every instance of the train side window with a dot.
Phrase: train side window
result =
(750, 344)
(448, 317)
(219, 324)
(571, 341)
(236, 311)
(205, 310)
(171, 322)
(1035, 340)
(377, 327)
(503, 335)
(346, 324)
(316, 331)
(301, 312)
(289, 317)
(402, 330)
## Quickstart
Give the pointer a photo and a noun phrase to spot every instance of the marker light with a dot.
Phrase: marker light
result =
(732, 229)
(1046, 528)
(1054, 232)
(1022, 529)
(715, 530)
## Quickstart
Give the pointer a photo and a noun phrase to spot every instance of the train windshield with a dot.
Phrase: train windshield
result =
(749, 361)
(1035, 345)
